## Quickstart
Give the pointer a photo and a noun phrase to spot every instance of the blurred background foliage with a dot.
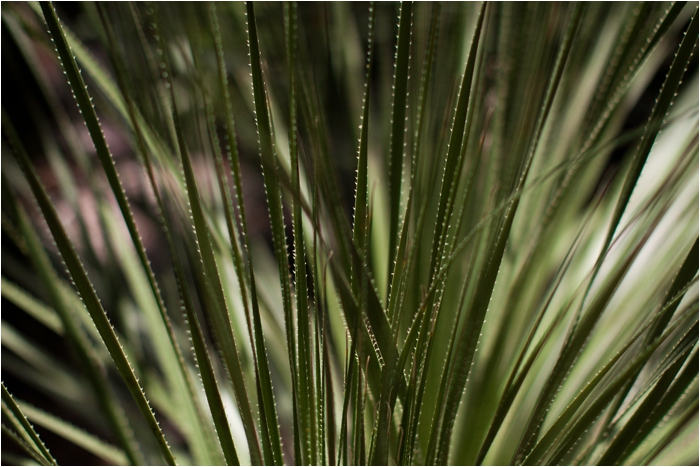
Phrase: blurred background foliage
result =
(532, 238)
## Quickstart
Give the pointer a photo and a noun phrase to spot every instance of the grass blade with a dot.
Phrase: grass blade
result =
(308, 392)
(274, 201)
(9, 401)
(398, 123)
(361, 211)
(26, 447)
(453, 161)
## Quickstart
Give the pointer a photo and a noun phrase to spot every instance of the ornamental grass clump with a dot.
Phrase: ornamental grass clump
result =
(348, 234)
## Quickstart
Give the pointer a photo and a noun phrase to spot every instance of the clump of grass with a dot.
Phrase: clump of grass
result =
(412, 233)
